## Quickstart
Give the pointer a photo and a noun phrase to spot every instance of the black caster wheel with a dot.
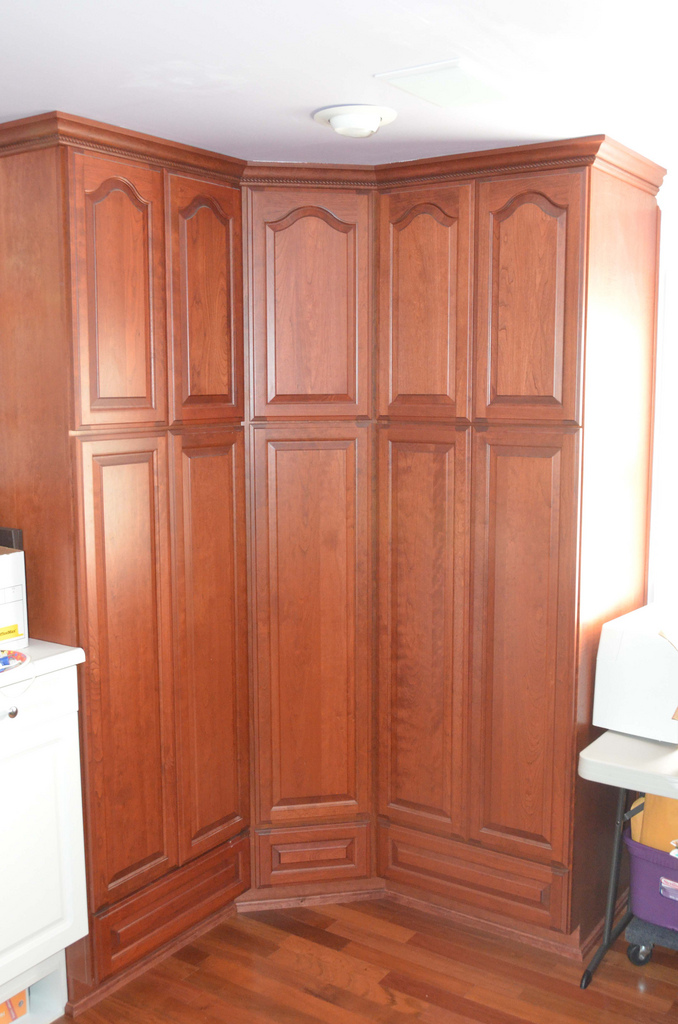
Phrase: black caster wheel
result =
(639, 955)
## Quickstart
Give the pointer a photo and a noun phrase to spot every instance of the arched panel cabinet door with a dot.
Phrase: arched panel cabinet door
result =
(206, 299)
(529, 298)
(310, 287)
(118, 267)
(425, 282)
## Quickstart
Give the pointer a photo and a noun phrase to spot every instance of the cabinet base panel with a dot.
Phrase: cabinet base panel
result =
(81, 1002)
(485, 922)
(130, 936)
(307, 895)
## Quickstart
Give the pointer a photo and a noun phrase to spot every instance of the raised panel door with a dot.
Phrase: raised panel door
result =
(128, 698)
(118, 265)
(525, 507)
(310, 283)
(423, 584)
(312, 648)
(530, 268)
(425, 281)
(210, 596)
(206, 299)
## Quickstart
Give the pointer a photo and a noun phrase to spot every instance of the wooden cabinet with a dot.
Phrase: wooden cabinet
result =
(118, 267)
(147, 520)
(211, 638)
(205, 280)
(477, 776)
(529, 297)
(423, 590)
(524, 573)
(311, 573)
(310, 286)
(425, 282)
(128, 700)
(515, 293)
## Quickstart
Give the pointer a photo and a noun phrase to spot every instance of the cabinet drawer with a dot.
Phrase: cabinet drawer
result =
(325, 853)
(144, 922)
(491, 882)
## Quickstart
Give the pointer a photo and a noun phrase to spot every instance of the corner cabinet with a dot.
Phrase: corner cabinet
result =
(382, 433)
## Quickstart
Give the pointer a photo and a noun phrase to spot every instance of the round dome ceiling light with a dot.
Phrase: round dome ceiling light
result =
(358, 121)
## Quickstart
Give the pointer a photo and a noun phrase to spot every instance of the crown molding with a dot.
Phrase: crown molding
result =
(58, 129)
(591, 150)
(349, 176)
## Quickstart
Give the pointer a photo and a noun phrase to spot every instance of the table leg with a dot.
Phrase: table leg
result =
(610, 934)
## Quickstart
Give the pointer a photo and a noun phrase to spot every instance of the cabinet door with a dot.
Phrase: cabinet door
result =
(530, 267)
(311, 287)
(426, 246)
(525, 505)
(128, 696)
(211, 651)
(118, 261)
(206, 299)
(423, 584)
(313, 627)
(44, 905)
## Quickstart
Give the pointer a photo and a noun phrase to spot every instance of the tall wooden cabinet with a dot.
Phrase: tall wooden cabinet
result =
(478, 757)
(426, 431)
(128, 376)
(310, 279)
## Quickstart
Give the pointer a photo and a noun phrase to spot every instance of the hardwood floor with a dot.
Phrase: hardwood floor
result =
(379, 961)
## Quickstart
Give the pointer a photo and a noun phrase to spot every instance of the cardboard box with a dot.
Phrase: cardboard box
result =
(13, 612)
(14, 1008)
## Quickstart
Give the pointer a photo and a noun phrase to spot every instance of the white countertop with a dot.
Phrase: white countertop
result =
(44, 657)
(630, 762)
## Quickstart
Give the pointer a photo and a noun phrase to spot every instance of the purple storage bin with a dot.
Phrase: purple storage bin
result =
(654, 884)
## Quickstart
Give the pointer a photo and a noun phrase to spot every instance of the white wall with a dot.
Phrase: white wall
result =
(664, 535)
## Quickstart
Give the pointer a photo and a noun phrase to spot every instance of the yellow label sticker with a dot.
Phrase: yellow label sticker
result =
(9, 632)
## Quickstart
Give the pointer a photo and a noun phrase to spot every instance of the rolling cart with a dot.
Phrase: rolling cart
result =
(630, 764)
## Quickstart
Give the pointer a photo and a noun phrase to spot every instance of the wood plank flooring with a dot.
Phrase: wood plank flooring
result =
(379, 961)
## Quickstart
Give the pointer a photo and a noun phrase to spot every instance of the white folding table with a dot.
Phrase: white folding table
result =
(629, 763)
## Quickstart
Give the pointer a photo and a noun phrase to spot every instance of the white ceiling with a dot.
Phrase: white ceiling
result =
(244, 78)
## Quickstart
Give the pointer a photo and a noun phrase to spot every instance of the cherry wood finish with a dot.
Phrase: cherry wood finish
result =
(310, 290)
(312, 648)
(426, 275)
(530, 272)
(423, 579)
(313, 854)
(131, 786)
(206, 299)
(473, 877)
(36, 407)
(118, 247)
(92, 205)
(153, 917)
(525, 502)
(210, 627)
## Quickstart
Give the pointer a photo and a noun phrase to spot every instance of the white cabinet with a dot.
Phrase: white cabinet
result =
(43, 905)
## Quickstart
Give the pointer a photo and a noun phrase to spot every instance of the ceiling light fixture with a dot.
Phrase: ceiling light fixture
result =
(358, 121)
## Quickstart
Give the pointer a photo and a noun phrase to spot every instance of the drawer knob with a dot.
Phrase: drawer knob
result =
(13, 711)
